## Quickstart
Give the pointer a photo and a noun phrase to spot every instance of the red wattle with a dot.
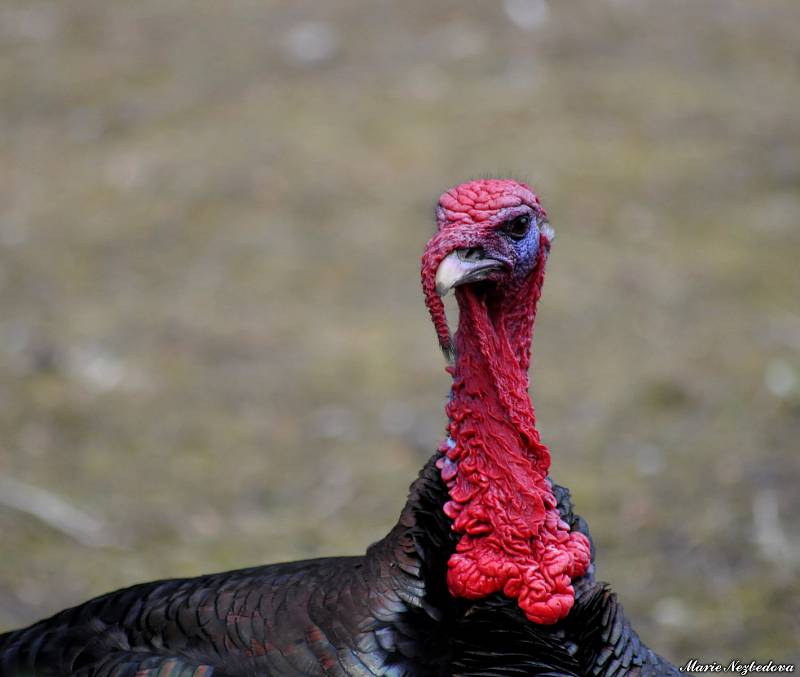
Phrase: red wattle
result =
(512, 537)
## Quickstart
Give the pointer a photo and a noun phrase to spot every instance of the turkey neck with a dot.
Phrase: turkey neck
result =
(492, 424)
(512, 539)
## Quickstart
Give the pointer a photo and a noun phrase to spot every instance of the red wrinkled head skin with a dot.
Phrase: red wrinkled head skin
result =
(467, 216)
(494, 463)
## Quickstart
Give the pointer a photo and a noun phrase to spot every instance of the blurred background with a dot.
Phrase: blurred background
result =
(213, 348)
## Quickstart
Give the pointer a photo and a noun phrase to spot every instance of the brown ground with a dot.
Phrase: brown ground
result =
(211, 332)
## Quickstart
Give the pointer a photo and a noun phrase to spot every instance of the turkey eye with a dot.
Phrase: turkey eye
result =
(517, 228)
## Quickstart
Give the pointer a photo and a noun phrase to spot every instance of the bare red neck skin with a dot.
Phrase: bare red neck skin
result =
(494, 463)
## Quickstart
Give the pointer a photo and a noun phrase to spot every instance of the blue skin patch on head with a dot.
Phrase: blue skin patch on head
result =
(527, 247)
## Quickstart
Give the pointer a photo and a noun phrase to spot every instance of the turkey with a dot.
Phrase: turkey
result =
(488, 570)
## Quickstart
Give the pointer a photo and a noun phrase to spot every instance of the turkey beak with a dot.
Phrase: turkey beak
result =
(462, 267)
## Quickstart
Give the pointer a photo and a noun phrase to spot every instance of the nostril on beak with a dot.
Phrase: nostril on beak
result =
(473, 254)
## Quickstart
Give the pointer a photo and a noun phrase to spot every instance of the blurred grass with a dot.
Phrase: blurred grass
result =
(211, 332)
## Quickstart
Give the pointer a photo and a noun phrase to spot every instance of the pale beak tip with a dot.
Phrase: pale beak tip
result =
(442, 289)
(456, 269)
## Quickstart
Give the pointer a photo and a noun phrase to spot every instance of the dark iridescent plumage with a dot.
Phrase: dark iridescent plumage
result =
(386, 613)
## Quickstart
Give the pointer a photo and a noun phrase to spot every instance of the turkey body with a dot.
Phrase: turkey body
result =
(488, 572)
(387, 612)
